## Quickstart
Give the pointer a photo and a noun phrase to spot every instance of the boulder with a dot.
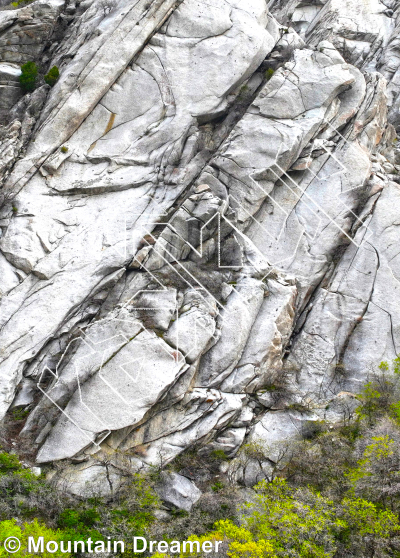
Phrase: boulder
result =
(177, 492)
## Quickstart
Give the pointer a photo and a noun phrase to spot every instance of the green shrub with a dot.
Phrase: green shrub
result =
(286, 522)
(138, 502)
(64, 149)
(78, 519)
(26, 496)
(269, 73)
(35, 529)
(219, 454)
(78, 525)
(175, 512)
(381, 395)
(19, 413)
(217, 486)
(243, 91)
(68, 518)
(27, 79)
(20, 3)
(9, 462)
(52, 76)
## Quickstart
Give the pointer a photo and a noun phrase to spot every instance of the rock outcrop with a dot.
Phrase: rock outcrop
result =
(199, 226)
(177, 491)
(366, 33)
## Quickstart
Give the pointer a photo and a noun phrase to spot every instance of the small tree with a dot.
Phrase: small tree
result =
(27, 79)
(377, 475)
(381, 395)
(52, 76)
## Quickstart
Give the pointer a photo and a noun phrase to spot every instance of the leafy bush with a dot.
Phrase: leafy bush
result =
(71, 518)
(381, 395)
(367, 530)
(219, 454)
(19, 413)
(35, 529)
(323, 463)
(24, 495)
(139, 501)
(217, 486)
(27, 79)
(9, 462)
(377, 474)
(241, 541)
(52, 76)
(340, 499)
(300, 523)
(78, 525)
(211, 508)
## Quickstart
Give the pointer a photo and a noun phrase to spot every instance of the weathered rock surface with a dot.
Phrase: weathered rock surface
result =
(9, 87)
(177, 491)
(199, 223)
(366, 33)
(25, 31)
(133, 200)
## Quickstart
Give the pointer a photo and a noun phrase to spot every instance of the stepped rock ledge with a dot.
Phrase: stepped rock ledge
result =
(203, 212)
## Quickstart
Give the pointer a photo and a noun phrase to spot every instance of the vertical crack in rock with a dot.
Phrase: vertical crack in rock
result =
(203, 229)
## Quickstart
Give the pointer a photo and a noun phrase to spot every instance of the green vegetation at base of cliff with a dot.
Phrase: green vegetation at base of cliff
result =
(336, 495)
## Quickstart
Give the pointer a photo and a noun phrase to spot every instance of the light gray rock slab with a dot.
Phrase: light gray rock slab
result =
(87, 480)
(97, 70)
(187, 210)
(192, 331)
(177, 491)
(355, 28)
(25, 31)
(235, 322)
(9, 87)
(26, 394)
(9, 276)
(341, 409)
(195, 420)
(118, 395)
(262, 357)
(278, 427)
(229, 441)
(110, 185)
(83, 357)
(297, 92)
(377, 335)
(358, 308)
(154, 308)
(365, 33)
(187, 231)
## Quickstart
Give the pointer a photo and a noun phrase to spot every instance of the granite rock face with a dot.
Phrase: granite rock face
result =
(199, 225)
(177, 491)
(366, 33)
